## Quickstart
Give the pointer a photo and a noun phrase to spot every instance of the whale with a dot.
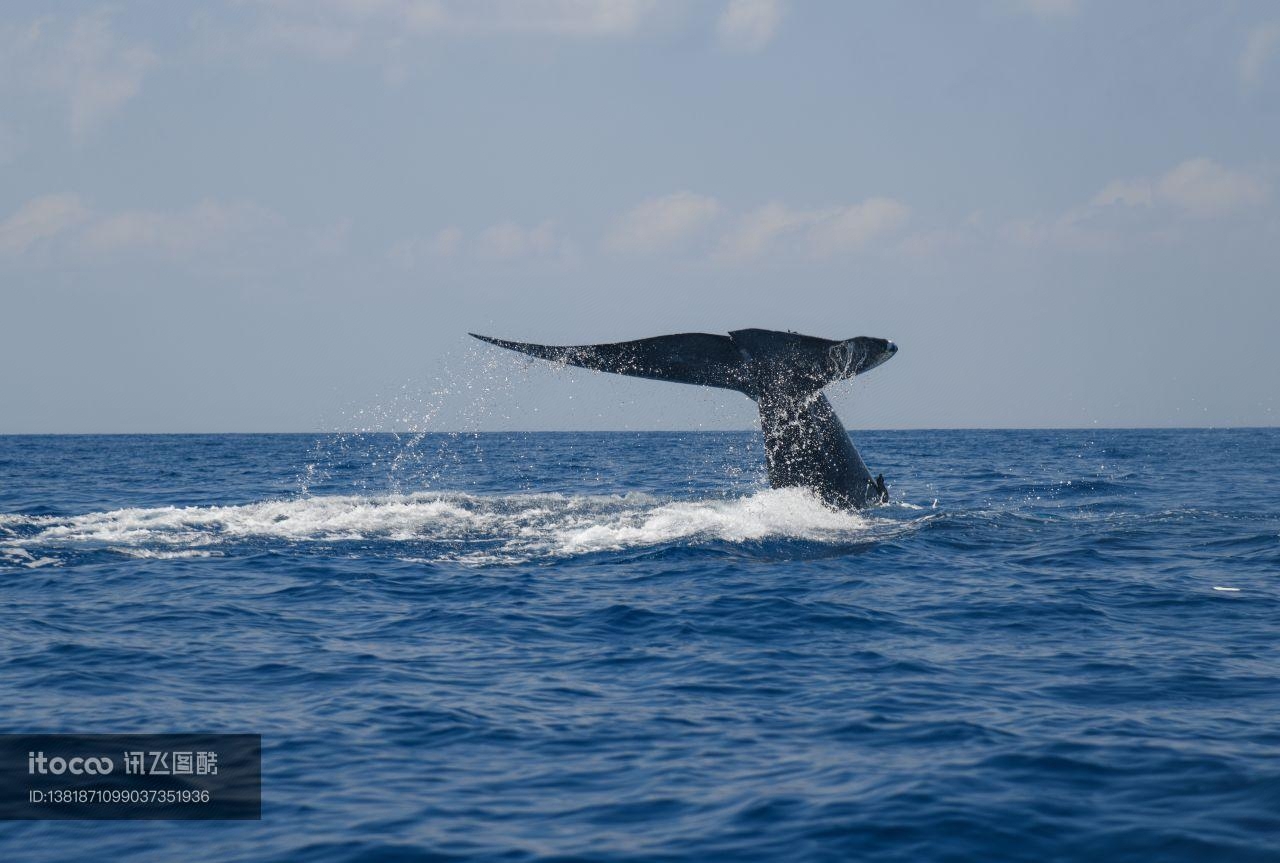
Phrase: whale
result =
(806, 445)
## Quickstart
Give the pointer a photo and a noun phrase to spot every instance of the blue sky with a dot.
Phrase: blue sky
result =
(285, 214)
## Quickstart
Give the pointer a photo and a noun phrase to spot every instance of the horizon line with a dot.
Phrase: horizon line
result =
(624, 431)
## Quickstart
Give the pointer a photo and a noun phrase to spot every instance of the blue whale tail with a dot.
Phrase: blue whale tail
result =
(805, 443)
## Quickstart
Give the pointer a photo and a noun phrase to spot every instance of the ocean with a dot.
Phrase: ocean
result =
(1050, 645)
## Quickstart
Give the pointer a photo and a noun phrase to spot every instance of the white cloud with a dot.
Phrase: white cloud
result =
(1199, 188)
(749, 25)
(1259, 48)
(939, 241)
(850, 228)
(505, 241)
(1203, 188)
(1128, 193)
(414, 251)
(84, 63)
(820, 232)
(446, 242)
(660, 223)
(208, 225)
(40, 219)
(509, 240)
(670, 222)
(1148, 210)
(1075, 229)
(930, 242)
(757, 231)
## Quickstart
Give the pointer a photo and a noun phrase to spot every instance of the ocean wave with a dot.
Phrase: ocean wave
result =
(465, 527)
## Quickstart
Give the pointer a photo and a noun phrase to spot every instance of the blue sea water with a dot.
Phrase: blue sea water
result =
(1052, 645)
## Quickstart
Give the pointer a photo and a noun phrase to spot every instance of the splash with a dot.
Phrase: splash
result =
(454, 525)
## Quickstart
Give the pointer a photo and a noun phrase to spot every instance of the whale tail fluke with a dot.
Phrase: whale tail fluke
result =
(805, 443)
(754, 362)
(686, 358)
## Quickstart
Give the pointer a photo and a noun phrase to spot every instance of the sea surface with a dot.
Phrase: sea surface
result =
(1051, 645)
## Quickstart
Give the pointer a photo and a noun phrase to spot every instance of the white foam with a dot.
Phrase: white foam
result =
(477, 528)
(22, 557)
(785, 513)
(154, 554)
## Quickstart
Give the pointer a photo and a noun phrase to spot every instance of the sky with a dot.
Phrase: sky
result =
(285, 215)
